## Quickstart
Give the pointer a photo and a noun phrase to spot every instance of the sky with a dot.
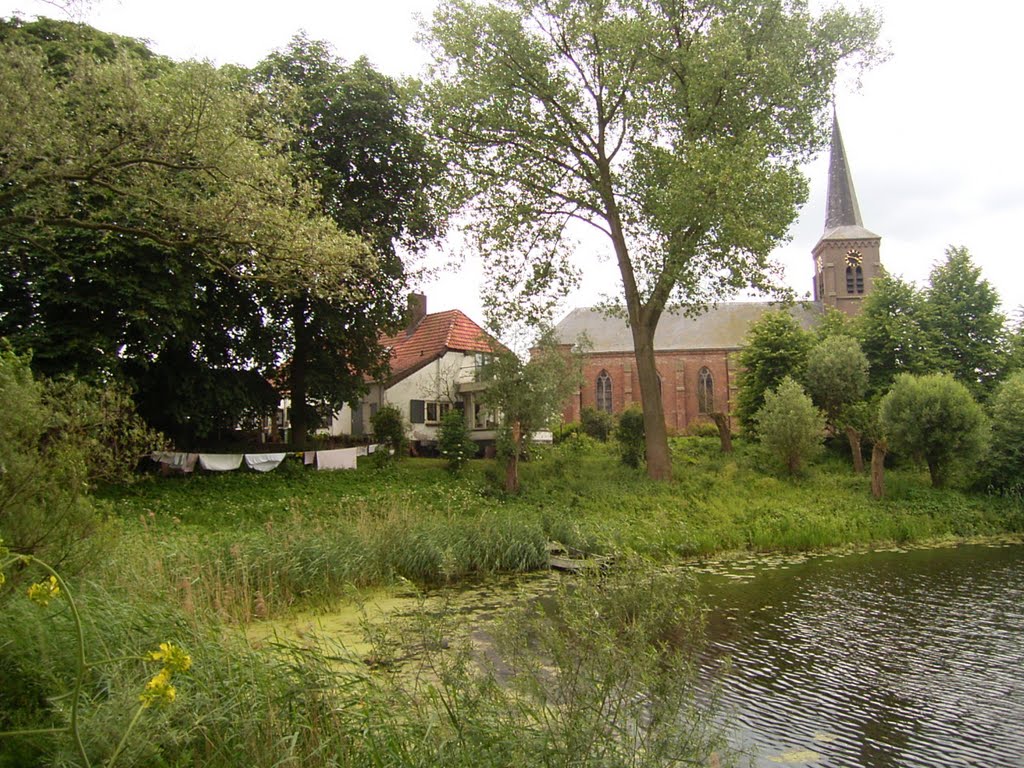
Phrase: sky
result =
(932, 135)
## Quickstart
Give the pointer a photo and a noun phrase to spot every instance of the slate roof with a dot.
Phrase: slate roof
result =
(433, 336)
(723, 327)
(842, 212)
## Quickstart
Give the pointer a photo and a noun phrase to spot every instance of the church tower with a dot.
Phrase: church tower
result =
(846, 258)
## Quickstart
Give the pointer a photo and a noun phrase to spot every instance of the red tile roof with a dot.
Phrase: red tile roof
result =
(431, 338)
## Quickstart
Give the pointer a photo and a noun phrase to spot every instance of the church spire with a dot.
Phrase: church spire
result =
(841, 209)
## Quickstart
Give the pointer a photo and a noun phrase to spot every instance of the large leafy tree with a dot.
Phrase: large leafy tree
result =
(356, 139)
(675, 128)
(148, 215)
(892, 333)
(967, 331)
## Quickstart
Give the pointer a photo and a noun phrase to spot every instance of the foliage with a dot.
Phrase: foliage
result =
(389, 430)
(789, 426)
(836, 376)
(57, 440)
(597, 424)
(1005, 465)
(626, 116)
(776, 347)
(892, 333)
(967, 332)
(150, 216)
(833, 322)
(453, 441)
(357, 143)
(629, 433)
(934, 419)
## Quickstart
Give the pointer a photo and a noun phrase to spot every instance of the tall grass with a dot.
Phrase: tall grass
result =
(599, 675)
(247, 546)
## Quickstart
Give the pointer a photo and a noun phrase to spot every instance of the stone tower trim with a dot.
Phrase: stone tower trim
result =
(847, 258)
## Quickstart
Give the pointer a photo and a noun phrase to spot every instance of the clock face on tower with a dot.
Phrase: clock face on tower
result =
(853, 258)
(819, 263)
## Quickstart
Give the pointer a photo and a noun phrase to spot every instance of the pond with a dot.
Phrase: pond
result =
(892, 658)
(884, 658)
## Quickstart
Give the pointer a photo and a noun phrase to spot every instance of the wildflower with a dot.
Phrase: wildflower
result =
(174, 658)
(42, 593)
(158, 690)
(2, 578)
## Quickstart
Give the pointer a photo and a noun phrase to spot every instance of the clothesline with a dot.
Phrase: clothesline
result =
(337, 458)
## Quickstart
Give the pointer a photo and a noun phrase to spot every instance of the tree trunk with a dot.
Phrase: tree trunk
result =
(935, 470)
(297, 379)
(512, 462)
(724, 434)
(659, 462)
(858, 458)
(878, 451)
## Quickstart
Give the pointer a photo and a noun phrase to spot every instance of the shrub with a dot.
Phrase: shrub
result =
(389, 430)
(453, 441)
(631, 436)
(597, 424)
(934, 419)
(789, 426)
(702, 429)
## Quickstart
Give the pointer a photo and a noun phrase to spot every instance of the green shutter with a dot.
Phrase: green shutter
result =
(416, 412)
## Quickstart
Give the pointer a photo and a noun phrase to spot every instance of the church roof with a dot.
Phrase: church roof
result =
(433, 336)
(842, 213)
(723, 326)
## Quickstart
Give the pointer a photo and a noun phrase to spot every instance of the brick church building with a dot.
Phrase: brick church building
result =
(696, 357)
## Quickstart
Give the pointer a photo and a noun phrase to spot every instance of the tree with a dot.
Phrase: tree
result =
(372, 174)
(674, 128)
(776, 347)
(789, 426)
(1005, 466)
(967, 332)
(934, 419)
(892, 333)
(389, 431)
(837, 379)
(528, 396)
(453, 441)
(147, 215)
(630, 435)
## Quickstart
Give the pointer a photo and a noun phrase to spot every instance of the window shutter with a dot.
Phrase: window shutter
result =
(416, 412)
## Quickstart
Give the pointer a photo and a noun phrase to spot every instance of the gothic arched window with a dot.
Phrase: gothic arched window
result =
(705, 391)
(854, 272)
(604, 392)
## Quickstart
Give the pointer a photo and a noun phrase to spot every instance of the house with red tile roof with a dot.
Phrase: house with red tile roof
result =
(435, 363)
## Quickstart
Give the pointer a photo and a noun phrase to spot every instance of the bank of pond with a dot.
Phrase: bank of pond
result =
(269, 582)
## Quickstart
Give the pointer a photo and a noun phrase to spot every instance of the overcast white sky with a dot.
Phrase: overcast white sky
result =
(932, 136)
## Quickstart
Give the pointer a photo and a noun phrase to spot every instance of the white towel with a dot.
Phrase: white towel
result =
(184, 462)
(263, 462)
(341, 458)
(309, 457)
(361, 450)
(220, 462)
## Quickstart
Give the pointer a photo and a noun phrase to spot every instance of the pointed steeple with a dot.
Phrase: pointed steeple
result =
(841, 209)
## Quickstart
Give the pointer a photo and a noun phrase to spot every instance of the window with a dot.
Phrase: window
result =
(854, 280)
(705, 391)
(435, 411)
(604, 392)
(483, 418)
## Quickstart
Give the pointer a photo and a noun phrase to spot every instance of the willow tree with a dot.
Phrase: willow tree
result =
(675, 127)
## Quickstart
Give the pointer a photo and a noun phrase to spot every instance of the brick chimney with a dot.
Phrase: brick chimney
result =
(417, 309)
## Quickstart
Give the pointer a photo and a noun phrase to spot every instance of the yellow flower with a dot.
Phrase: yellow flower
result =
(42, 593)
(174, 658)
(158, 690)
(2, 578)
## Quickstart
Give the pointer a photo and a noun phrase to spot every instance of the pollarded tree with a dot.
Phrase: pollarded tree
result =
(892, 333)
(934, 419)
(966, 330)
(673, 127)
(837, 379)
(776, 347)
(789, 425)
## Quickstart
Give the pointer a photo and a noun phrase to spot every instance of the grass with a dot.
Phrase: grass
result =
(250, 545)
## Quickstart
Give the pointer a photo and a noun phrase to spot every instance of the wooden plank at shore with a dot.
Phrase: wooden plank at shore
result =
(574, 565)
